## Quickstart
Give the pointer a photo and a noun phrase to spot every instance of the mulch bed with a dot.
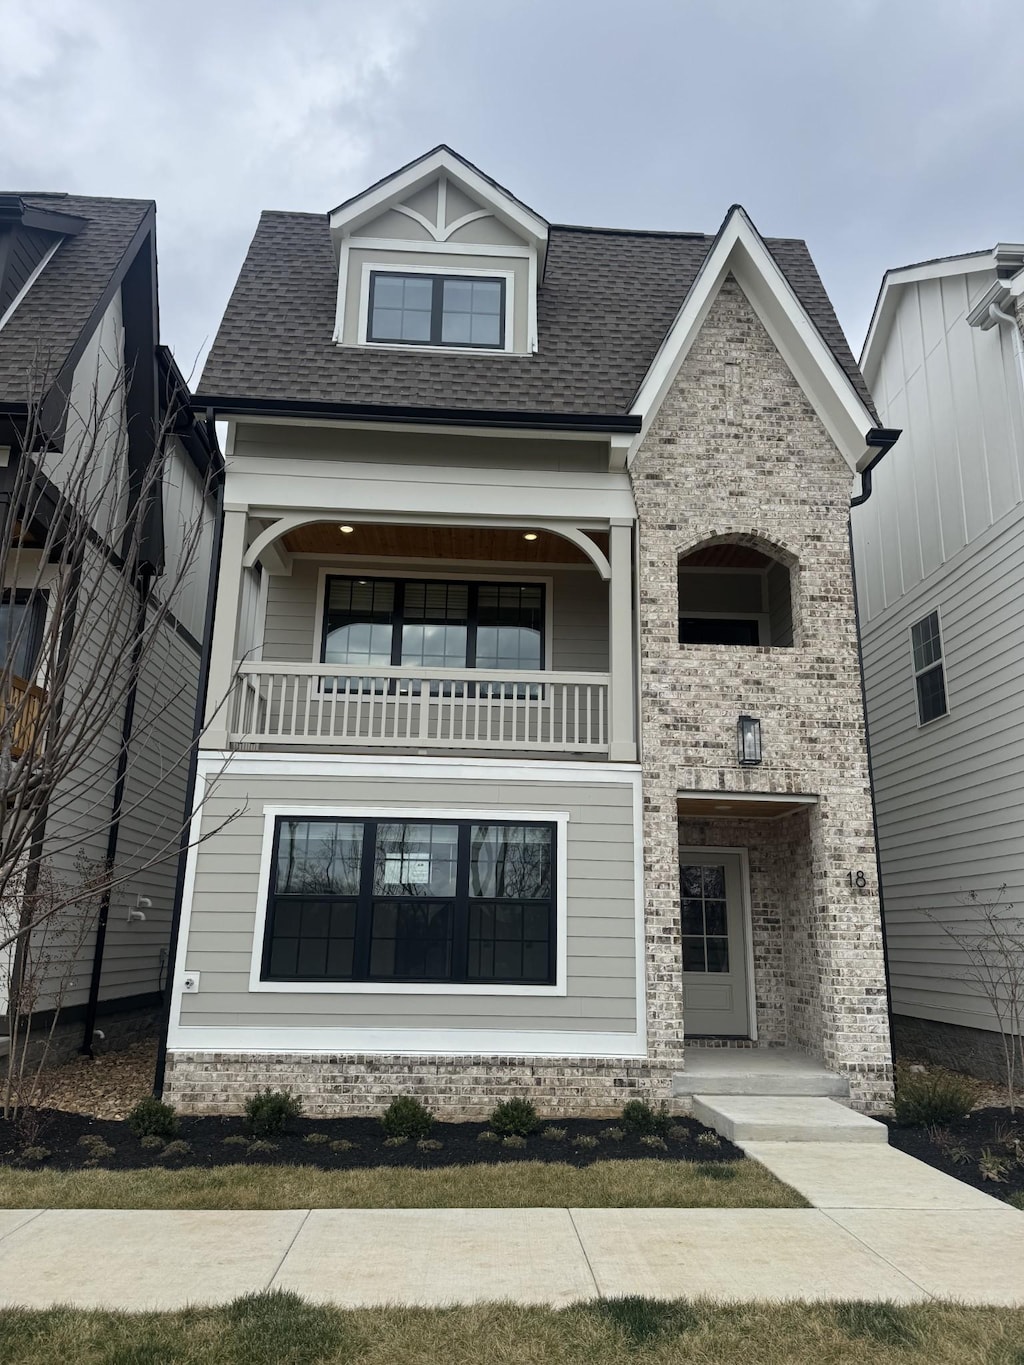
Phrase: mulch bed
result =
(957, 1148)
(61, 1133)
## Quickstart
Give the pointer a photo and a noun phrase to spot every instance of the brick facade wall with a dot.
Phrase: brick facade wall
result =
(738, 454)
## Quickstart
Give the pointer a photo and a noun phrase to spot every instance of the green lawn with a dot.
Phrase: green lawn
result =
(280, 1329)
(522, 1184)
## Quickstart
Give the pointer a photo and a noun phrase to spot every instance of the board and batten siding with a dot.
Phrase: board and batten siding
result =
(950, 794)
(601, 919)
(577, 608)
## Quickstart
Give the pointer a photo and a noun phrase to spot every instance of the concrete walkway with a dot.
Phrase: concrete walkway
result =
(884, 1227)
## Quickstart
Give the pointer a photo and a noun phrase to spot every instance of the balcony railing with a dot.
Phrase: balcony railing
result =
(285, 703)
(26, 699)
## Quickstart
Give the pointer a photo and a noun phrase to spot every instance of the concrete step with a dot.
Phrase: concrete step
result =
(755, 1071)
(785, 1118)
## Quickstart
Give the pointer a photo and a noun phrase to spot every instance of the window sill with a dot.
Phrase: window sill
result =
(430, 350)
(400, 988)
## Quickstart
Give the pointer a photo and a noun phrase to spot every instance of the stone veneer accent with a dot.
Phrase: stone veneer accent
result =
(737, 454)
(457, 1087)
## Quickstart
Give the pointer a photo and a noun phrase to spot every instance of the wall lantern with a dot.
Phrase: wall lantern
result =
(748, 741)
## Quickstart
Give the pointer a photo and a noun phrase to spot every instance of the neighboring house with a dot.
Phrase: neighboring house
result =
(940, 571)
(79, 351)
(536, 622)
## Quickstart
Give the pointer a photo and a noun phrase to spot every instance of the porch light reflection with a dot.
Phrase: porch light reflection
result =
(748, 741)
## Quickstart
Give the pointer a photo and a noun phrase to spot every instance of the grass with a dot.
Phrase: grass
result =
(520, 1184)
(281, 1329)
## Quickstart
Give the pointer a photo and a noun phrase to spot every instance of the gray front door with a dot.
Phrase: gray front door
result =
(714, 944)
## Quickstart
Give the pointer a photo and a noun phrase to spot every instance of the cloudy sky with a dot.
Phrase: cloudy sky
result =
(882, 131)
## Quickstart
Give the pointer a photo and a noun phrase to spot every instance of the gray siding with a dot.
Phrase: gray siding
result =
(578, 607)
(949, 794)
(601, 909)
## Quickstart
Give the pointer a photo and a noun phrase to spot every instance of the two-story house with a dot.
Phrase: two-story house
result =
(534, 670)
(940, 572)
(108, 510)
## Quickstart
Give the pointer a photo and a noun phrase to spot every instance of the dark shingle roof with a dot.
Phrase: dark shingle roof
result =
(607, 300)
(49, 320)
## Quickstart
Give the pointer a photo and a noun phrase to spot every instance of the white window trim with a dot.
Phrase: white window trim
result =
(916, 672)
(395, 267)
(410, 569)
(370, 812)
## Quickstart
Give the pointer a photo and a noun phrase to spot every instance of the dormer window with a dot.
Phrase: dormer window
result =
(421, 309)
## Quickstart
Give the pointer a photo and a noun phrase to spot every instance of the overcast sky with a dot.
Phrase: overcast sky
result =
(882, 131)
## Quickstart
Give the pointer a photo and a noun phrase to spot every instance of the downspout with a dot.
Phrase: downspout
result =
(885, 439)
(114, 829)
(193, 765)
(998, 315)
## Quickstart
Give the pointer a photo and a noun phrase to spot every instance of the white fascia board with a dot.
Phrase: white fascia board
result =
(740, 251)
(349, 219)
(888, 297)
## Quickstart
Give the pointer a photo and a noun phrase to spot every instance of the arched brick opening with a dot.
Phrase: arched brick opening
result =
(738, 589)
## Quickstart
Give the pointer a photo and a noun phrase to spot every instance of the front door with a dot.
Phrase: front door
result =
(714, 944)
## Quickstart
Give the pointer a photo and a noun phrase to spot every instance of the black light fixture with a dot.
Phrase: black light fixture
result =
(748, 741)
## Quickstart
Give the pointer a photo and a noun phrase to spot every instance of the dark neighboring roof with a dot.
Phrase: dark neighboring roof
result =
(49, 320)
(606, 302)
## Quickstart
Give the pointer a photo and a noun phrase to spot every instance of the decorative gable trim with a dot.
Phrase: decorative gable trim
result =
(740, 251)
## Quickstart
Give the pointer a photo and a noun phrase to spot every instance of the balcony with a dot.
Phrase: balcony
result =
(412, 708)
(26, 700)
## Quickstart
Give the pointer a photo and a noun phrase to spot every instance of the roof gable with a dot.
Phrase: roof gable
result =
(740, 251)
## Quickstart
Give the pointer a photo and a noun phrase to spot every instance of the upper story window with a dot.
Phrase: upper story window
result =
(433, 625)
(436, 310)
(929, 674)
(734, 595)
(22, 621)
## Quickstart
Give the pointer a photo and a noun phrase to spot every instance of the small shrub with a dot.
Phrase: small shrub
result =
(343, 1145)
(933, 1096)
(654, 1140)
(709, 1139)
(316, 1139)
(639, 1117)
(587, 1142)
(176, 1149)
(236, 1140)
(34, 1153)
(515, 1118)
(513, 1140)
(397, 1141)
(487, 1136)
(993, 1167)
(95, 1145)
(613, 1134)
(152, 1118)
(553, 1134)
(270, 1111)
(429, 1145)
(678, 1132)
(262, 1147)
(152, 1142)
(406, 1117)
(958, 1154)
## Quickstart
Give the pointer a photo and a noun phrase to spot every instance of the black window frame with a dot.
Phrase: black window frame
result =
(928, 672)
(364, 904)
(437, 309)
(398, 616)
(32, 642)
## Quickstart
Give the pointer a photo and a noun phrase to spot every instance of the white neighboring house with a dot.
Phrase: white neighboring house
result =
(939, 553)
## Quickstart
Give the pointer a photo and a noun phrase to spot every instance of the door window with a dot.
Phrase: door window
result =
(705, 924)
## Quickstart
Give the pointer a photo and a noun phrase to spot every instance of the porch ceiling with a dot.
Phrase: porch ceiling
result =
(438, 542)
(729, 806)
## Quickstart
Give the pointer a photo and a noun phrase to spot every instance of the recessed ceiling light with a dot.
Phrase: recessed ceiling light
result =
(530, 535)
(346, 530)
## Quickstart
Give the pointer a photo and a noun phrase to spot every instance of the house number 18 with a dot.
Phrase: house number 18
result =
(857, 879)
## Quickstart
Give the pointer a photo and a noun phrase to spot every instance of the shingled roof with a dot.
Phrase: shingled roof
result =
(604, 306)
(50, 319)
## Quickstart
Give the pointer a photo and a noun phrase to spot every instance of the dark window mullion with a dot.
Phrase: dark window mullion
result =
(472, 622)
(460, 914)
(268, 934)
(364, 904)
(436, 310)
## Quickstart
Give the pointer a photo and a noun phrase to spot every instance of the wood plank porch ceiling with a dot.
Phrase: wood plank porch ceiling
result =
(736, 808)
(438, 542)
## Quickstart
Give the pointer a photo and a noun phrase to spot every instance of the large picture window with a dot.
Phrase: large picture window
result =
(432, 625)
(436, 310)
(411, 900)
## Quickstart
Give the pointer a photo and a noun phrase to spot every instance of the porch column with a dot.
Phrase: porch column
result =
(225, 628)
(621, 701)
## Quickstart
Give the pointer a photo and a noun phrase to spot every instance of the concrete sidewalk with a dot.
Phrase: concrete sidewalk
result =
(885, 1227)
